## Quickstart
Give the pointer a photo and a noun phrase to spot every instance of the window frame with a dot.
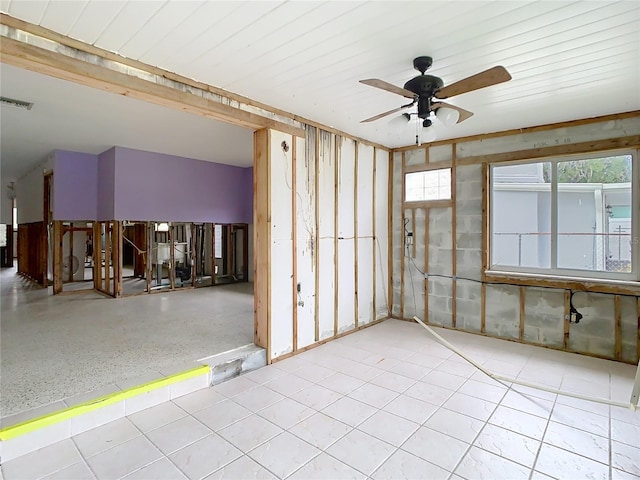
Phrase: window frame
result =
(441, 202)
(563, 273)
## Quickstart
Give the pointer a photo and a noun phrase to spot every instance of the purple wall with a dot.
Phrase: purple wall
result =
(106, 185)
(75, 186)
(153, 186)
(127, 184)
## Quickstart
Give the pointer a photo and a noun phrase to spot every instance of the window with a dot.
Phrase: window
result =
(567, 216)
(428, 185)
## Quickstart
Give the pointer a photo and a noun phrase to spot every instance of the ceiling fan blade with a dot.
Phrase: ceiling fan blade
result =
(493, 76)
(389, 87)
(381, 115)
(464, 114)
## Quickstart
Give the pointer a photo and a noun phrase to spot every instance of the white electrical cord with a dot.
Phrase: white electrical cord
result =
(633, 401)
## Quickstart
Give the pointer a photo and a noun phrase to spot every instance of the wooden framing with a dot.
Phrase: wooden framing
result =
(336, 256)
(390, 237)
(374, 313)
(316, 239)
(192, 254)
(214, 275)
(617, 308)
(262, 239)
(116, 240)
(149, 263)
(356, 235)
(454, 236)
(57, 256)
(107, 258)
(294, 234)
(522, 313)
(403, 248)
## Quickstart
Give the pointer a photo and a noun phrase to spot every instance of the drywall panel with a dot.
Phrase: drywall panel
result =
(364, 193)
(503, 311)
(381, 245)
(544, 316)
(75, 186)
(305, 238)
(281, 302)
(30, 193)
(548, 138)
(596, 331)
(326, 233)
(346, 224)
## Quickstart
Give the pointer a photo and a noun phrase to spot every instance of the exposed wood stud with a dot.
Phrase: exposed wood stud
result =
(294, 233)
(542, 152)
(622, 288)
(390, 295)
(403, 248)
(70, 258)
(522, 313)
(454, 237)
(335, 233)
(425, 281)
(428, 167)
(539, 128)
(316, 238)
(355, 233)
(148, 261)
(172, 256)
(428, 204)
(486, 228)
(214, 276)
(617, 307)
(192, 252)
(374, 309)
(57, 256)
(567, 308)
(107, 258)
(483, 308)
(117, 259)
(262, 242)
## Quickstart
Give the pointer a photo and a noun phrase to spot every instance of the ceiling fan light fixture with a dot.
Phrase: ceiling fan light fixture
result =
(447, 116)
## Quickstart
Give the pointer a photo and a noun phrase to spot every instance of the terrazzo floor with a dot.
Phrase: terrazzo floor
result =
(386, 402)
(55, 347)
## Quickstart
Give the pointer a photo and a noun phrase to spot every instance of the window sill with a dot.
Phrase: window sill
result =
(596, 285)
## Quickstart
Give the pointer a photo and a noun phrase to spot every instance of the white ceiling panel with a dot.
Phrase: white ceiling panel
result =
(61, 15)
(165, 20)
(569, 59)
(95, 17)
(127, 22)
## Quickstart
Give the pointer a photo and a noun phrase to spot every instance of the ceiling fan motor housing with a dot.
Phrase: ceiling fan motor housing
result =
(424, 86)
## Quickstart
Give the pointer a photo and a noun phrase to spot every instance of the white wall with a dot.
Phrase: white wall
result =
(30, 193)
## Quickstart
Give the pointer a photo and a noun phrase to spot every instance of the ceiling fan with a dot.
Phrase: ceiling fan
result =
(425, 91)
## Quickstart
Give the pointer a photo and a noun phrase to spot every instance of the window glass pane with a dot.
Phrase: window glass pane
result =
(594, 214)
(429, 185)
(521, 215)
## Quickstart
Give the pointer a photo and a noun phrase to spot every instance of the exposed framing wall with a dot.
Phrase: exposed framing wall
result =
(320, 236)
(452, 240)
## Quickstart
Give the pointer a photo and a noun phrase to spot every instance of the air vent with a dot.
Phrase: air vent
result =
(10, 102)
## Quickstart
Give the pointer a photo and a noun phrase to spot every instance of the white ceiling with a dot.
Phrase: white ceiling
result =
(568, 59)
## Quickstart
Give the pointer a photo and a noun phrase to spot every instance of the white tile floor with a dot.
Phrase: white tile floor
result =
(384, 403)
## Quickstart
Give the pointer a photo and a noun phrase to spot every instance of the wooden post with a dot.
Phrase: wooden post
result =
(213, 253)
(294, 234)
(390, 236)
(522, 314)
(617, 305)
(107, 258)
(374, 309)
(117, 258)
(149, 260)
(262, 239)
(454, 238)
(172, 257)
(70, 259)
(192, 251)
(336, 257)
(57, 256)
(403, 248)
(567, 313)
(355, 234)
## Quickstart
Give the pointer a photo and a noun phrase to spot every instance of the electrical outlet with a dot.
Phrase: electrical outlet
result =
(408, 239)
(299, 287)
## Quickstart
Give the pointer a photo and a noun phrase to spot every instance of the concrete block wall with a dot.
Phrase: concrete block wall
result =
(542, 309)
